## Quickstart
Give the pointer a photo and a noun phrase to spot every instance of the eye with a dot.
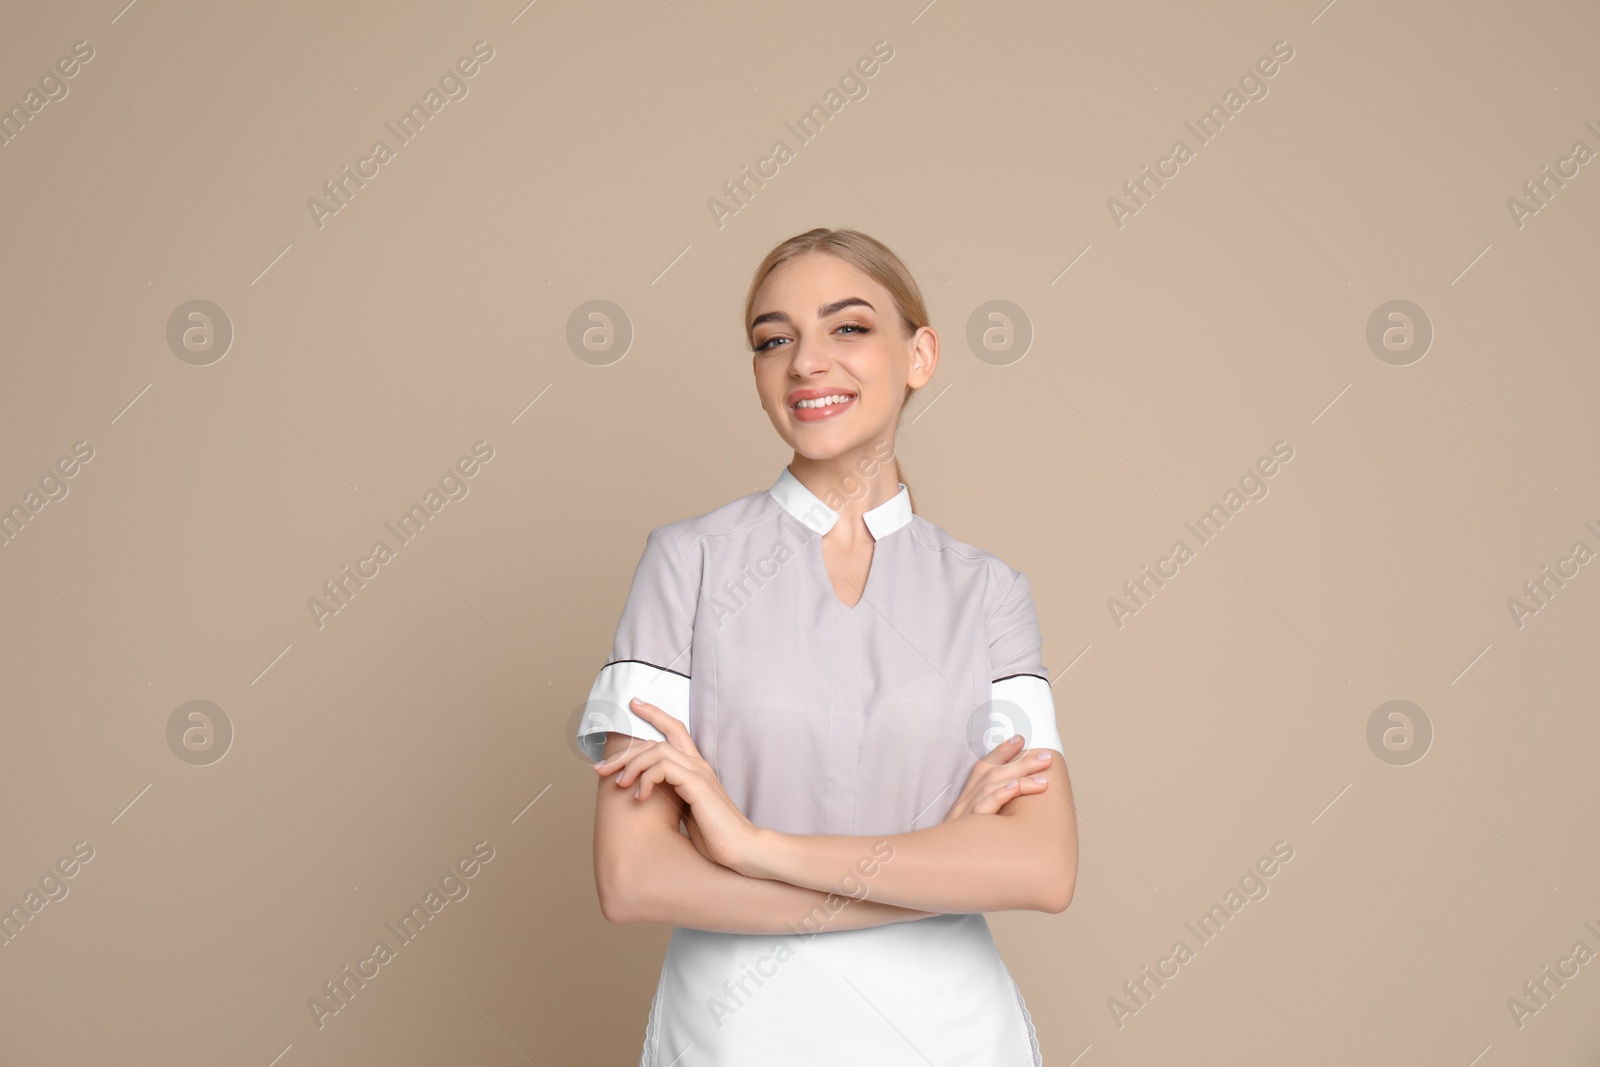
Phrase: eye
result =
(764, 345)
(854, 326)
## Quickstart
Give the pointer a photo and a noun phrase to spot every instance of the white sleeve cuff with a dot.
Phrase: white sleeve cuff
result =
(1023, 704)
(607, 708)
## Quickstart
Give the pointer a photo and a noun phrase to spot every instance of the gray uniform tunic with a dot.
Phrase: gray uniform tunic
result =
(824, 719)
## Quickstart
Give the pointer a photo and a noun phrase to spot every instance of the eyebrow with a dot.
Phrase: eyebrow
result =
(822, 312)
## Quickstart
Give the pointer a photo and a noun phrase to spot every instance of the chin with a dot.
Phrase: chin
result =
(830, 448)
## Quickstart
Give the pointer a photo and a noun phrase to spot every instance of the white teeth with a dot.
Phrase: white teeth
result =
(822, 401)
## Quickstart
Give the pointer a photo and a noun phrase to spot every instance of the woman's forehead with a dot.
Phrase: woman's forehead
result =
(818, 292)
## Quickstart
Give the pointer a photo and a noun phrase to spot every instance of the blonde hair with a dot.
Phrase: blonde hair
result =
(874, 259)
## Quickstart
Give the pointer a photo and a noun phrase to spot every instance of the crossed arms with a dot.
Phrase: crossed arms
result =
(1009, 842)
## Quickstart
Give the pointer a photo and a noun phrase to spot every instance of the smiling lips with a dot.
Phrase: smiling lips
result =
(814, 405)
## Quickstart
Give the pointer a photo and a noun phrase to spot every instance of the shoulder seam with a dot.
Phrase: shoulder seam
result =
(976, 554)
(670, 542)
(1016, 576)
(705, 534)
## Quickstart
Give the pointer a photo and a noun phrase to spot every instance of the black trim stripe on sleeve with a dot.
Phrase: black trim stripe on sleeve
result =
(1022, 674)
(647, 663)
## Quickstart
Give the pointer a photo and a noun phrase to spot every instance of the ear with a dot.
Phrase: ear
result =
(924, 357)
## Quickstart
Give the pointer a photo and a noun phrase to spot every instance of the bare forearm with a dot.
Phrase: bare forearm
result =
(973, 864)
(678, 886)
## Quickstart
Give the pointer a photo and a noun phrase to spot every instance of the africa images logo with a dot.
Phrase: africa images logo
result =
(342, 988)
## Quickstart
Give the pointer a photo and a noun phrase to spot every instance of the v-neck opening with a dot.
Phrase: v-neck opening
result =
(866, 584)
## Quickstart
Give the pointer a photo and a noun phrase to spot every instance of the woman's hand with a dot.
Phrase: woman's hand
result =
(1005, 773)
(716, 825)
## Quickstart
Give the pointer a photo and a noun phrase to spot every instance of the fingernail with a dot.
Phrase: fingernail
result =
(1041, 779)
(1044, 757)
(1013, 737)
(635, 701)
(1011, 784)
(637, 788)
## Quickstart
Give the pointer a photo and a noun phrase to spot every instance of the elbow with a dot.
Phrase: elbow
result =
(618, 905)
(1058, 895)
(614, 909)
(1058, 888)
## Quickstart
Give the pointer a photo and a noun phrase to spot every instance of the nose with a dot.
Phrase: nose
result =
(808, 357)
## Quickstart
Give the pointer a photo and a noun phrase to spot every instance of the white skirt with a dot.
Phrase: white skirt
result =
(928, 991)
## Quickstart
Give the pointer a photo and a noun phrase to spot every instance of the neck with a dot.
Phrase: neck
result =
(851, 484)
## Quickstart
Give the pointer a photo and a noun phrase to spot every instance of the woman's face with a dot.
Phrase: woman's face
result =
(824, 328)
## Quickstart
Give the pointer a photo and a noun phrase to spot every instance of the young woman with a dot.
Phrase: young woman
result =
(844, 708)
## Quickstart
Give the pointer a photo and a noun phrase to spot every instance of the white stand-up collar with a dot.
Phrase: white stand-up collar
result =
(804, 505)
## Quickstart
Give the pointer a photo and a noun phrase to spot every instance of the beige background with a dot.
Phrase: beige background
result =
(430, 312)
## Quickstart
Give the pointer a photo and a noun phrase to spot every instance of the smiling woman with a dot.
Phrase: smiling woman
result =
(829, 719)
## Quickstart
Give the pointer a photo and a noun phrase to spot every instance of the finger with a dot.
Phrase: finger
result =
(1028, 785)
(992, 763)
(1021, 760)
(1021, 763)
(670, 725)
(664, 765)
(1002, 793)
(629, 772)
(993, 796)
(647, 779)
(1030, 759)
(1003, 752)
(610, 764)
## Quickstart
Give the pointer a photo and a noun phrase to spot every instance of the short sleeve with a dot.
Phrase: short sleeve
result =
(650, 655)
(1021, 700)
